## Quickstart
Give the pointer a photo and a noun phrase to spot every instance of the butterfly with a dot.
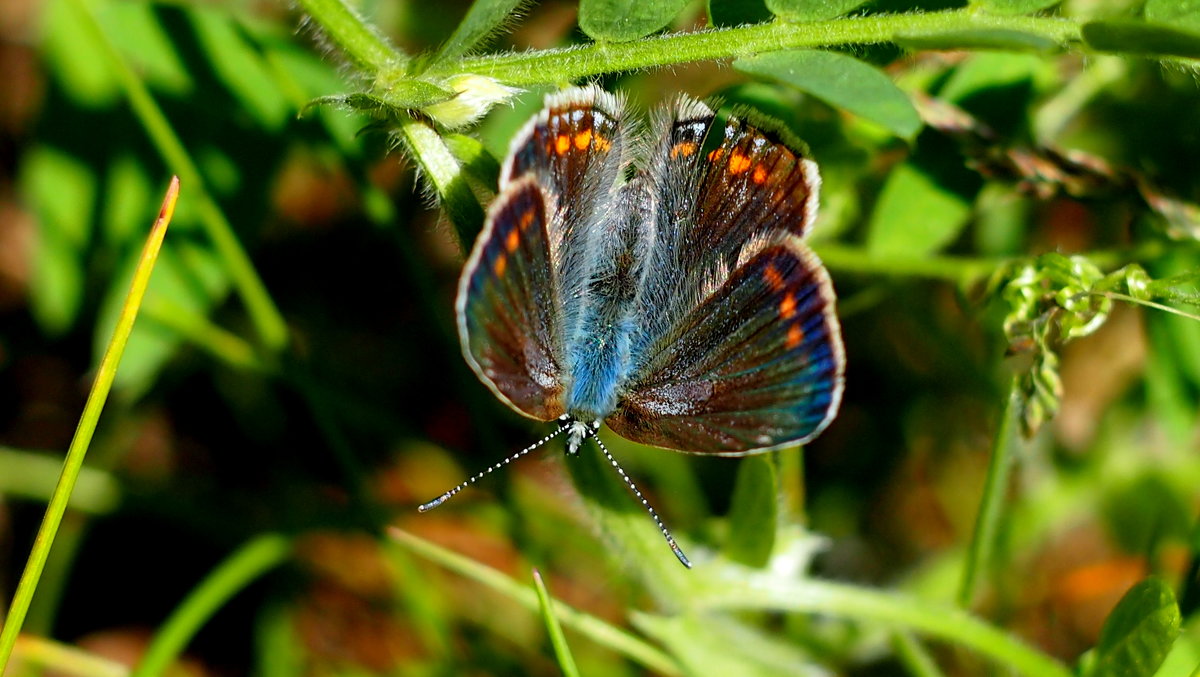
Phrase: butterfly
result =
(656, 282)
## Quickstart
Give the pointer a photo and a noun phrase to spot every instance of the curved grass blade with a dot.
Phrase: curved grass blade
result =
(557, 639)
(87, 426)
(235, 573)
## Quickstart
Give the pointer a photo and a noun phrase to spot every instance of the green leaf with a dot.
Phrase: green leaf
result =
(1145, 513)
(990, 71)
(559, 641)
(137, 30)
(1127, 36)
(752, 519)
(1178, 13)
(129, 196)
(484, 19)
(241, 69)
(841, 81)
(799, 11)
(1012, 7)
(625, 20)
(1138, 633)
(915, 215)
(70, 51)
(61, 192)
(980, 38)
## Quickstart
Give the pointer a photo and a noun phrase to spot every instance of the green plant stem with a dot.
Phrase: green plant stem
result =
(914, 656)
(221, 344)
(445, 174)
(891, 609)
(961, 270)
(585, 624)
(267, 320)
(86, 428)
(763, 593)
(572, 63)
(366, 49)
(987, 520)
(253, 559)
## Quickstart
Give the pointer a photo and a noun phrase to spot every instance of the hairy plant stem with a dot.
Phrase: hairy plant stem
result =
(571, 63)
(367, 49)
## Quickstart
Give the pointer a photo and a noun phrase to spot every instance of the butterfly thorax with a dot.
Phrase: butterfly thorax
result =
(598, 350)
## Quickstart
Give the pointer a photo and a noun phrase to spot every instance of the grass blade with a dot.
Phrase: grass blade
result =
(561, 650)
(616, 639)
(235, 573)
(86, 428)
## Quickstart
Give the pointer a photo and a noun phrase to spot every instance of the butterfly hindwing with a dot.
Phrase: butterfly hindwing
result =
(756, 365)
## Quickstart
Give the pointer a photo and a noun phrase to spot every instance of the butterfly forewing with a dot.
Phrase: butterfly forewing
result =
(525, 283)
(717, 187)
(757, 364)
(741, 349)
(575, 148)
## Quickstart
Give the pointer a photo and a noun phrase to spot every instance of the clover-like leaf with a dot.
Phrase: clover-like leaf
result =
(1138, 633)
(841, 81)
(625, 20)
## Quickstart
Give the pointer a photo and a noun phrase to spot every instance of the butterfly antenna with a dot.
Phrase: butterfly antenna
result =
(426, 507)
(645, 504)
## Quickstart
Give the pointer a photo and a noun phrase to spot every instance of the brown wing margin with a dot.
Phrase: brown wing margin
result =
(509, 312)
(757, 365)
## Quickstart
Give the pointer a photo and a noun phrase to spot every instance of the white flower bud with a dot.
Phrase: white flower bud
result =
(474, 96)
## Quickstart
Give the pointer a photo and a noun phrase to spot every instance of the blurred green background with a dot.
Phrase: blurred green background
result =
(213, 437)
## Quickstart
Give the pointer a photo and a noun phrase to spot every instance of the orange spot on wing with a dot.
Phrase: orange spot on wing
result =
(684, 148)
(512, 241)
(562, 144)
(738, 162)
(526, 219)
(583, 139)
(794, 336)
(787, 307)
(602, 144)
(760, 174)
(774, 277)
(499, 265)
(715, 154)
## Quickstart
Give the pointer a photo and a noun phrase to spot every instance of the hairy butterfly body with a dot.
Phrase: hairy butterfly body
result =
(680, 305)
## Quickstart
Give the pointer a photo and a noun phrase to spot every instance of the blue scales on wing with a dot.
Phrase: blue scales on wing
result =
(525, 286)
